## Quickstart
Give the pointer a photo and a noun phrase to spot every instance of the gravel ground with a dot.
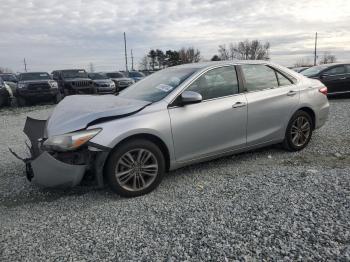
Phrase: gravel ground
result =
(266, 204)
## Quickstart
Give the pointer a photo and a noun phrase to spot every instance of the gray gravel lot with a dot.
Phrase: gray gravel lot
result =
(265, 204)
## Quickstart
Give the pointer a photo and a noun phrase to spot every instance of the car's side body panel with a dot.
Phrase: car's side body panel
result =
(269, 112)
(210, 127)
(196, 135)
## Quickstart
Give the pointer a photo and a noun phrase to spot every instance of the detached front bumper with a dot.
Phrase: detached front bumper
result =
(48, 170)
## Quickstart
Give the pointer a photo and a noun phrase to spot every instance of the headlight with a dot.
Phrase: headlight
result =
(70, 141)
(53, 84)
(112, 84)
(21, 85)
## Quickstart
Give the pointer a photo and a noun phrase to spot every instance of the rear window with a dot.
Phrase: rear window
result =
(336, 70)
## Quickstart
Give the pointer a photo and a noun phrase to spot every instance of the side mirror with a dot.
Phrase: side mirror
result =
(190, 97)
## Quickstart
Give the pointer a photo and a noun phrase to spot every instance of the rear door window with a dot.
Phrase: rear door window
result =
(347, 68)
(335, 70)
(259, 77)
(282, 80)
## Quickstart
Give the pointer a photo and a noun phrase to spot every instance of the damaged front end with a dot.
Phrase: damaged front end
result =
(48, 167)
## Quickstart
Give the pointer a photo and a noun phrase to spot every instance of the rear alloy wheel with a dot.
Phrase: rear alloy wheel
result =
(298, 132)
(135, 168)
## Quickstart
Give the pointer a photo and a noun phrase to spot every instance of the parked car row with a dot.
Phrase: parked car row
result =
(32, 87)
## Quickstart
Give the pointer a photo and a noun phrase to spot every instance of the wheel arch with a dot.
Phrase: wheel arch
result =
(312, 114)
(150, 137)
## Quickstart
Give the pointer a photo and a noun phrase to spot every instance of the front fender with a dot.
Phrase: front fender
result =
(156, 123)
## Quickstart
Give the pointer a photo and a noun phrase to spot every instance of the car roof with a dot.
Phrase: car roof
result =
(202, 65)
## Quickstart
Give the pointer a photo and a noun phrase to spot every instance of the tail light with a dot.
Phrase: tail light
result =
(323, 90)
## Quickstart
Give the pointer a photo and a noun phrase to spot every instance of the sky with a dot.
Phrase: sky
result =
(58, 34)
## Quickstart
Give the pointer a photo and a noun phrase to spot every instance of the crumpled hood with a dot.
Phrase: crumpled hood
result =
(76, 112)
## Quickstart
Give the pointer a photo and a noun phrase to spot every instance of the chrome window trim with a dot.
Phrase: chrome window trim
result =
(186, 85)
(294, 83)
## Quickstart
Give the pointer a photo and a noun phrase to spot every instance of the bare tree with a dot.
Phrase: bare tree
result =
(223, 52)
(91, 68)
(5, 70)
(189, 55)
(303, 61)
(145, 63)
(246, 50)
(328, 58)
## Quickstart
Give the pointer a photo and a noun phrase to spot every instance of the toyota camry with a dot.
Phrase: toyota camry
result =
(178, 116)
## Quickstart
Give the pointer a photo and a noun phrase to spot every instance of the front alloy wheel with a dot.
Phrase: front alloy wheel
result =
(135, 168)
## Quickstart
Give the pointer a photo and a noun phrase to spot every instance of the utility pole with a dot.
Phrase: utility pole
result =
(25, 64)
(315, 57)
(126, 56)
(132, 61)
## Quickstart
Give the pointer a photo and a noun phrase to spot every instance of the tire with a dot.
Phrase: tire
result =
(14, 102)
(57, 98)
(130, 183)
(66, 92)
(299, 131)
(21, 101)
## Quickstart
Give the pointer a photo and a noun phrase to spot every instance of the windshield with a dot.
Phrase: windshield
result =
(115, 75)
(96, 76)
(313, 70)
(158, 85)
(136, 74)
(9, 78)
(74, 74)
(34, 76)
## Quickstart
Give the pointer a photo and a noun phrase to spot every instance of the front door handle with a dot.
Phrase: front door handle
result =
(291, 93)
(342, 78)
(239, 104)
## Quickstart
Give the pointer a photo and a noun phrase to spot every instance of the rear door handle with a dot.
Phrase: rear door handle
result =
(342, 78)
(291, 93)
(239, 104)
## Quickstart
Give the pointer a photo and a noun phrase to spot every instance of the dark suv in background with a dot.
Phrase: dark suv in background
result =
(336, 77)
(36, 86)
(74, 81)
(120, 80)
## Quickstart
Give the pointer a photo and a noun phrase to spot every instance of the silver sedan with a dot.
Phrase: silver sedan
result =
(175, 117)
